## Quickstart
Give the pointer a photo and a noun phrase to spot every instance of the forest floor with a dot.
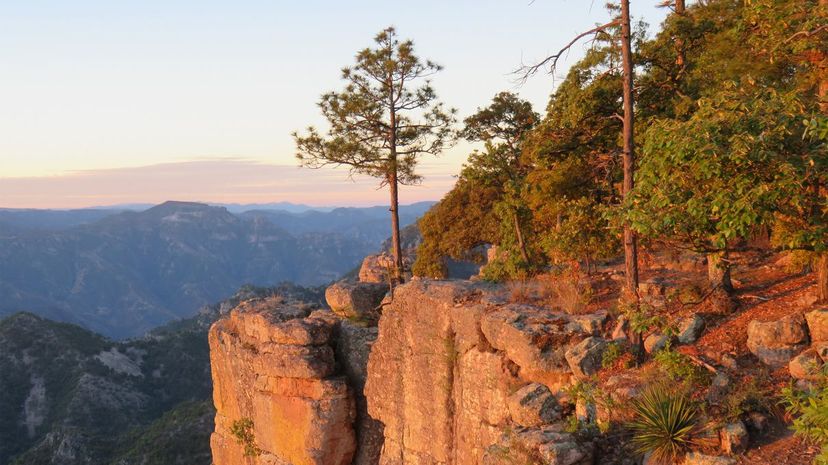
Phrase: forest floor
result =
(765, 289)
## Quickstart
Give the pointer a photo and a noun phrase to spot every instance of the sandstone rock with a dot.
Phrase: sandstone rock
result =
(355, 300)
(620, 332)
(821, 349)
(533, 405)
(690, 328)
(533, 338)
(376, 268)
(270, 365)
(696, 458)
(655, 342)
(585, 357)
(539, 446)
(590, 324)
(734, 438)
(807, 365)
(353, 345)
(776, 342)
(434, 381)
(818, 324)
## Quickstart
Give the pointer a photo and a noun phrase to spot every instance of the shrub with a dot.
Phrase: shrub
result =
(745, 397)
(613, 352)
(570, 290)
(678, 366)
(243, 431)
(810, 409)
(665, 424)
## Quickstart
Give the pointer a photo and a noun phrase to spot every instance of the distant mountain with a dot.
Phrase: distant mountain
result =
(132, 271)
(369, 224)
(27, 219)
(73, 397)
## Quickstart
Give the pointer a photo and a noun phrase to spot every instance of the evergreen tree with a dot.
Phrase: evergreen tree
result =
(380, 123)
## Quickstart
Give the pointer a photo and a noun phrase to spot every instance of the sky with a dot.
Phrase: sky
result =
(132, 101)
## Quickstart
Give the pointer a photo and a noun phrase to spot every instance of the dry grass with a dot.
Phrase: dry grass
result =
(570, 291)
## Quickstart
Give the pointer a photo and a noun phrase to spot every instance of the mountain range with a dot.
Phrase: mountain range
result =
(73, 397)
(122, 272)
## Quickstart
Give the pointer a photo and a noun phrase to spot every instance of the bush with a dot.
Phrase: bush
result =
(810, 409)
(665, 424)
(613, 352)
(678, 366)
(243, 431)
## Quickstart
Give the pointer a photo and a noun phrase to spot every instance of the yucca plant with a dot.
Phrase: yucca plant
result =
(665, 425)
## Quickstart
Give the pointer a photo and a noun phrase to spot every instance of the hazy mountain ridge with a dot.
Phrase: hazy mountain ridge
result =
(131, 271)
(71, 396)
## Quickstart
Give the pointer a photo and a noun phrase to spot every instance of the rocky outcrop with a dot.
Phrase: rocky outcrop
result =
(376, 268)
(455, 376)
(355, 300)
(278, 396)
(775, 343)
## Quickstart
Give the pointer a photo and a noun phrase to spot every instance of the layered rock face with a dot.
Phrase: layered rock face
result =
(454, 371)
(277, 391)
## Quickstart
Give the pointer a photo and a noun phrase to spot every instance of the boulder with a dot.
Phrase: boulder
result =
(376, 268)
(620, 332)
(807, 365)
(734, 438)
(775, 343)
(547, 445)
(690, 328)
(355, 300)
(533, 405)
(655, 342)
(818, 324)
(821, 349)
(585, 357)
(696, 458)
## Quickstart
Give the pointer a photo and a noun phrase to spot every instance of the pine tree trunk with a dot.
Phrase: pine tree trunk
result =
(822, 277)
(396, 247)
(680, 58)
(393, 187)
(519, 234)
(630, 240)
(718, 270)
(822, 259)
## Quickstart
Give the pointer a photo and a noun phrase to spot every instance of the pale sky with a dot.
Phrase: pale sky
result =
(106, 102)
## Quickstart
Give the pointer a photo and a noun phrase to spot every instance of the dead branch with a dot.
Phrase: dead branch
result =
(526, 71)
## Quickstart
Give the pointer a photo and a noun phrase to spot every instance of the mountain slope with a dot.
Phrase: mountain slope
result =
(73, 397)
(133, 271)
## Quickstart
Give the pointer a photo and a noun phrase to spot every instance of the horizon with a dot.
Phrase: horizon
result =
(98, 97)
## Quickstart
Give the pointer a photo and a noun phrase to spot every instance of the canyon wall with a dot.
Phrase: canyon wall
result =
(453, 375)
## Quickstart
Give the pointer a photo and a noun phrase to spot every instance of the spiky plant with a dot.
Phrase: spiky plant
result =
(665, 424)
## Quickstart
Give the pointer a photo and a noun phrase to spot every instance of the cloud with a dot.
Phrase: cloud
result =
(216, 180)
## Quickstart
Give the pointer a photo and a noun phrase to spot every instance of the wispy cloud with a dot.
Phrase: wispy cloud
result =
(227, 180)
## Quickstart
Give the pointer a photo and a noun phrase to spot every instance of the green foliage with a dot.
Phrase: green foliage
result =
(810, 409)
(678, 367)
(613, 352)
(665, 423)
(747, 396)
(710, 180)
(641, 317)
(242, 430)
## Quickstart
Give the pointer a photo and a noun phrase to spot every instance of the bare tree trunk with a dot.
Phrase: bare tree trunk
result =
(718, 270)
(680, 57)
(630, 239)
(396, 247)
(822, 258)
(519, 235)
(393, 187)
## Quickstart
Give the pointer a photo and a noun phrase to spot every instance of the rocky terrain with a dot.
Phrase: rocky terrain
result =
(469, 372)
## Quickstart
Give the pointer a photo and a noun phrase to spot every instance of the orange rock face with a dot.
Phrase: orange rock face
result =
(273, 369)
(445, 363)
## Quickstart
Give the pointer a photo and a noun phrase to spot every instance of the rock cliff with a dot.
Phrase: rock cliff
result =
(453, 375)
